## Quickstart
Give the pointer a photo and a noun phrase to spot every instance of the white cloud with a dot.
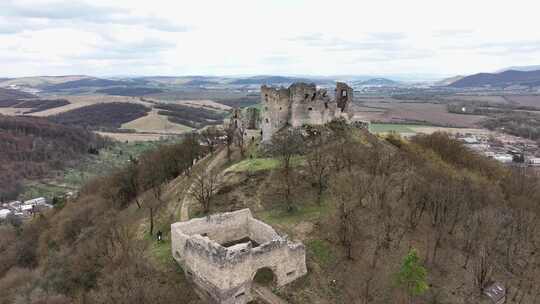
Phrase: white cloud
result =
(174, 37)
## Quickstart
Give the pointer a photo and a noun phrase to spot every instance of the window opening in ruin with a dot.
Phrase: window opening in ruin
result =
(324, 94)
(264, 276)
(240, 241)
(290, 273)
(313, 97)
(190, 273)
(204, 234)
(240, 295)
(326, 105)
(310, 109)
(177, 254)
(280, 108)
(267, 120)
(343, 93)
(306, 96)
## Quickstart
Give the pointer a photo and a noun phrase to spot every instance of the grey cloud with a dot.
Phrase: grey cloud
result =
(277, 60)
(112, 49)
(84, 12)
(499, 48)
(396, 55)
(377, 40)
(447, 33)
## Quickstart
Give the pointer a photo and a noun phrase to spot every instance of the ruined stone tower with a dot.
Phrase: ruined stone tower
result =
(301, 104)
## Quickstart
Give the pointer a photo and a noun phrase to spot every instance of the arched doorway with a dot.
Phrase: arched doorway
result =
(265, 276)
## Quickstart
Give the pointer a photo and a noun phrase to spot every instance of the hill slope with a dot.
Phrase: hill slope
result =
(32, 147)
(504, 79)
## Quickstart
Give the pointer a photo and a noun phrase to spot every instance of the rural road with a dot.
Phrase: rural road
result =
(188, 199)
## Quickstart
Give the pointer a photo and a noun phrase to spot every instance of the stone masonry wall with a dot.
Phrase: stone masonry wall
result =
(301, 104)
(225, 275)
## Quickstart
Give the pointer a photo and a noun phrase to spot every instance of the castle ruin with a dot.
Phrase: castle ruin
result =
(301, 104)
(223, 252)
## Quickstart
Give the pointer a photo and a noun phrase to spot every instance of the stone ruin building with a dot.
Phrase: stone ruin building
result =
(301, 104)
(223, 252)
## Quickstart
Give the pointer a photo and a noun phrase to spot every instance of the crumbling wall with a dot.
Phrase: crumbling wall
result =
(252, 118)
(302, 104)
(225, 275)
(276, 110)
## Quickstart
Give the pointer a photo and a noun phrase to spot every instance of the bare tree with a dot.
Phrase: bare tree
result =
(205, 188)
(285, 145)
(482, 270)
(318, 159)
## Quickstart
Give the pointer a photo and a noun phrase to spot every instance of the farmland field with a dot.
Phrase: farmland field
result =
(155, 123)
(387, 128)
(419, 113)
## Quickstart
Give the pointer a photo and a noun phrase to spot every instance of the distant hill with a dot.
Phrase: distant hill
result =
(85, 83)
(200, 82)
(525, 68)
(40, 81)
(10, 94)
(269, 80)
(102, 116)
(377, 82)
(129, 91)
(34, 105)
(504, 79)
(449, 80)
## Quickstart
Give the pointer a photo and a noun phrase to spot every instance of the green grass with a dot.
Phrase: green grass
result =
(162, 251)
(264, 163)
(321, 252)
(255, 164)
(387, 128)
(300, 214)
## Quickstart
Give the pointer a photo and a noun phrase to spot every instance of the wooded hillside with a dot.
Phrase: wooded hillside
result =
(31, 147)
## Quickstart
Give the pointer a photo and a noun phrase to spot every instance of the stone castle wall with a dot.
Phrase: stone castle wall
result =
(301, 104)
(225, 274)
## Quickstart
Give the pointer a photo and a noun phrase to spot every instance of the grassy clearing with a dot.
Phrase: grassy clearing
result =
(321, 251)
(162, 252)
(386, 128)
(264, 163)
(280, 216)
(255, 164)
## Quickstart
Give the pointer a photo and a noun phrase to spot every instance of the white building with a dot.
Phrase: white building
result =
(504, 158)
(4, 213)
(36, 201)
(535, 161)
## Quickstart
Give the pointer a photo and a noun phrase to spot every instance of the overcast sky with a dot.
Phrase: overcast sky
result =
(289, 37)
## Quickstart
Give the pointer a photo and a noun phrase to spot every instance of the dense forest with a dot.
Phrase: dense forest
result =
(102, 115)
(383, 220)
(10, 94)
(34, 105)
(31, 147)
(190, 116)
(89, 251)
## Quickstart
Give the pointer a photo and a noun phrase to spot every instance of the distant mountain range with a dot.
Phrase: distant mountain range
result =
(448, 81)
(274, 80)
(499, 80)
(9, 94)
(525, 68)
(376, 82)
